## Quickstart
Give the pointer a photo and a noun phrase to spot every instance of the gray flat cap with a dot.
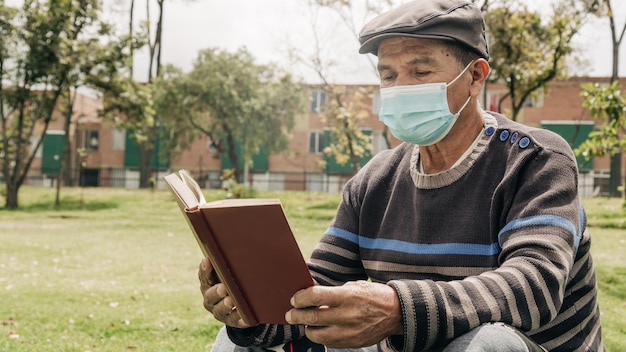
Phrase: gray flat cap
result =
(455, 20)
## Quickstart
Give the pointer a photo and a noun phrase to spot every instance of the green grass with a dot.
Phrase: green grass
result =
(116, 270)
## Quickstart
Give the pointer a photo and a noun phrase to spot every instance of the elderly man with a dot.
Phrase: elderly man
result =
(469, 236)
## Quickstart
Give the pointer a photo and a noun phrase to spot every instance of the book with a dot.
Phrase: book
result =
(251, 247)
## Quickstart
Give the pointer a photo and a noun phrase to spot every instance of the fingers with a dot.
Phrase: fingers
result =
(315, 305)
(221, 305)
(206, 275)
(317, 316)
(317, 296)
(215, 296)
(205, 267)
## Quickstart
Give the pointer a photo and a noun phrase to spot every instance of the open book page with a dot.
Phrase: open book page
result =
(187, 198)
(193, 185)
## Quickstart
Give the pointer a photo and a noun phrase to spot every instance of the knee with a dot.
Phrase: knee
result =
(492, 337)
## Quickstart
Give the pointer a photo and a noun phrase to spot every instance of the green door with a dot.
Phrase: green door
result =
(575, 133)
(52, 152)
(260, 160)
(131, 153)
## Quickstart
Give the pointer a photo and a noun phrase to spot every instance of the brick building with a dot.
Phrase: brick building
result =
(110, 158)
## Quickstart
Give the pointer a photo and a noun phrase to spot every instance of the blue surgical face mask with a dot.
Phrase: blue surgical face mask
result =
(419, 114)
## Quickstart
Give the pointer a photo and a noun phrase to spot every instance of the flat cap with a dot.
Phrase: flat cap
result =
(459, 21)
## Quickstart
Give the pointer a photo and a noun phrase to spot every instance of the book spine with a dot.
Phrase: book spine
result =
(211, 249)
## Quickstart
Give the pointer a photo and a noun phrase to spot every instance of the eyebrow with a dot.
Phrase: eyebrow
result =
(413, 62)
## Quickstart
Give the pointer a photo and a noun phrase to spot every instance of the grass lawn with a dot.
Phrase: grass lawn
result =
(116, 270)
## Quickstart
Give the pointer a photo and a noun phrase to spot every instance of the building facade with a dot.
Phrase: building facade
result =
(104, 156)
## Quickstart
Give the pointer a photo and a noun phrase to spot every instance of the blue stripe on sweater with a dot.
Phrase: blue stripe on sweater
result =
(415, 248)
(542, 220)
(581, 222)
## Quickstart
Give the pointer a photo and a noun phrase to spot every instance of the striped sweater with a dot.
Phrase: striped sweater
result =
(500, 237)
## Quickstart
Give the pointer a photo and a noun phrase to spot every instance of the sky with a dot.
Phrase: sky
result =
(267, 28)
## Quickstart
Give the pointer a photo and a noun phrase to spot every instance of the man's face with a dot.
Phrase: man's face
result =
(409, 61)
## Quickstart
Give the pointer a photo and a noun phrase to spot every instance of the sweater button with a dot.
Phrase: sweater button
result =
(504, 135)
(489, 131)
(524, 142)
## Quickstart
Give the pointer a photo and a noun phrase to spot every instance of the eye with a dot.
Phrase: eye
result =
(386, 77)
(420, 73)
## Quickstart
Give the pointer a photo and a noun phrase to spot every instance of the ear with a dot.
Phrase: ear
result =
(480, 71)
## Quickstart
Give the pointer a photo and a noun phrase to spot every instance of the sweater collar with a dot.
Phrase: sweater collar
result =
(460, 168)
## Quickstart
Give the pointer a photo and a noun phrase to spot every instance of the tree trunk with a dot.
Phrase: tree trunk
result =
(130, 34)
(145, 158)
(232, 155)
(66, 157)
(514, 110)
(616, 160)
(150, 45)
(158, 39)
(11, 196)
(353, 158)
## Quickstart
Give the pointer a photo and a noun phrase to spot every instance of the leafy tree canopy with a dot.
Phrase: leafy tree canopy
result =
(231, 99)
(605, 103)
(39, 44)
(528, 50)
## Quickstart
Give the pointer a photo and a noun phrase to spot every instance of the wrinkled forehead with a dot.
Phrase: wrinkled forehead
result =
(419, 47)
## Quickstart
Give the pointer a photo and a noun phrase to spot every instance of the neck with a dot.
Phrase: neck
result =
(441, 156)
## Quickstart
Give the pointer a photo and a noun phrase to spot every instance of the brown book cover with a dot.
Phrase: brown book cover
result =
(250, 245)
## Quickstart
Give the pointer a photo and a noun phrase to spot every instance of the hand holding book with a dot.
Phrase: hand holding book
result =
(251, 249)
(215, 297)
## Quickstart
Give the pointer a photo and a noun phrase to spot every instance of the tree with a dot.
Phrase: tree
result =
(617, 36)
(343, 113)
(129, 104)
(605, 8)
(345, 109)
(526, 51)
(168, 94)
(155, 46)
(146, 126)
(606, 103)
(84, 61)
(232, 100)
(35, 63)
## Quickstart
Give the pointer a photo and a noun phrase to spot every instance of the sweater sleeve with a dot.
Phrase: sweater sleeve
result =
(538, 245)
(265, 335)
(336, 259)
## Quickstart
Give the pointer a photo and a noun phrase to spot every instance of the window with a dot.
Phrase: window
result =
(379, 143)
(119, 140)
(316, 142)
(318, 100)
(91, 140)
(376, 102)
(33, 144)
(492, 101)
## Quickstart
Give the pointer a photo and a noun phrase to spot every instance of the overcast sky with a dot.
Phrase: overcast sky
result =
(266, 27)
